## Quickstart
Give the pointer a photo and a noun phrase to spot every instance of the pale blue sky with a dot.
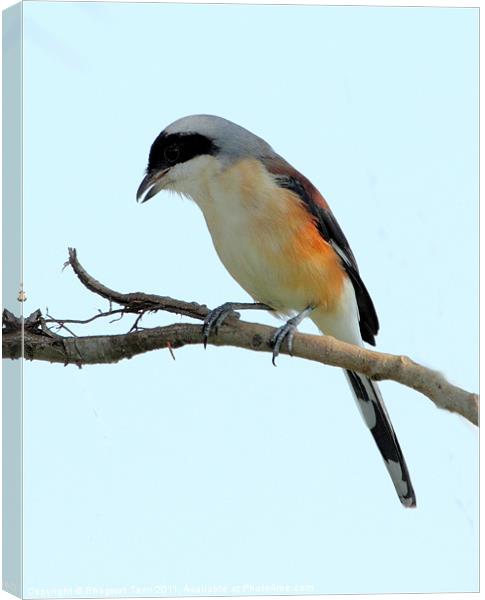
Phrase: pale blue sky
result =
(218, 468)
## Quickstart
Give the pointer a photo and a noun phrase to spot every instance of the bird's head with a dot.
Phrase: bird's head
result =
(194, 149)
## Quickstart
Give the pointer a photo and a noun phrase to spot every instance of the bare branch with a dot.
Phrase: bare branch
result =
(39, 345)
(136, 301)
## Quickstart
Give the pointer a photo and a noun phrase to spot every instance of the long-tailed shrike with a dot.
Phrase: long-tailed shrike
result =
(276, 235)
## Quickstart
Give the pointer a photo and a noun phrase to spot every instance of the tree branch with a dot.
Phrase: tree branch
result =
(39, 343)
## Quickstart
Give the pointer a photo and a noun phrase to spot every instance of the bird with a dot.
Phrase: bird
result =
(277, 237)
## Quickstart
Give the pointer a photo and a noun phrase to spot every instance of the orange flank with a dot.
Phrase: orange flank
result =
(308, 262)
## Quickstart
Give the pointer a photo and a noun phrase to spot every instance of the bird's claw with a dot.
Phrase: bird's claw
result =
(215, 318)
(287, 331)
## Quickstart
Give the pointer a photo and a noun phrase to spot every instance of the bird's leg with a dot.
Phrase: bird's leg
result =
(288, 331)
(217, 316)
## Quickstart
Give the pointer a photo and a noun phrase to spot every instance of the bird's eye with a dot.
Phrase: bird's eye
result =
(171, 153)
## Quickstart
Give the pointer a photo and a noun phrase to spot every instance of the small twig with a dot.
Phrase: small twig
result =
(170, 349)
(135, 327)
(123, 312)
(85, 321)
(60, 325)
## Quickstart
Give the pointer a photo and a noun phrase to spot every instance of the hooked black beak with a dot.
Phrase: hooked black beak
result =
(150, 186)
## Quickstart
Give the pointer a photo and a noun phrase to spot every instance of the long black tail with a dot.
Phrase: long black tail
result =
(375, 415)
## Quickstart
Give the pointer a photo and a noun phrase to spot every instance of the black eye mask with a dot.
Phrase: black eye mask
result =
(169, 150)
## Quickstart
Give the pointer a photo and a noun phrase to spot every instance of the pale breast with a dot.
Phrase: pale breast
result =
(267, 241)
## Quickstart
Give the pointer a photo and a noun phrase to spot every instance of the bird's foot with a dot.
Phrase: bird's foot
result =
(287, 331)
(217, 316)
